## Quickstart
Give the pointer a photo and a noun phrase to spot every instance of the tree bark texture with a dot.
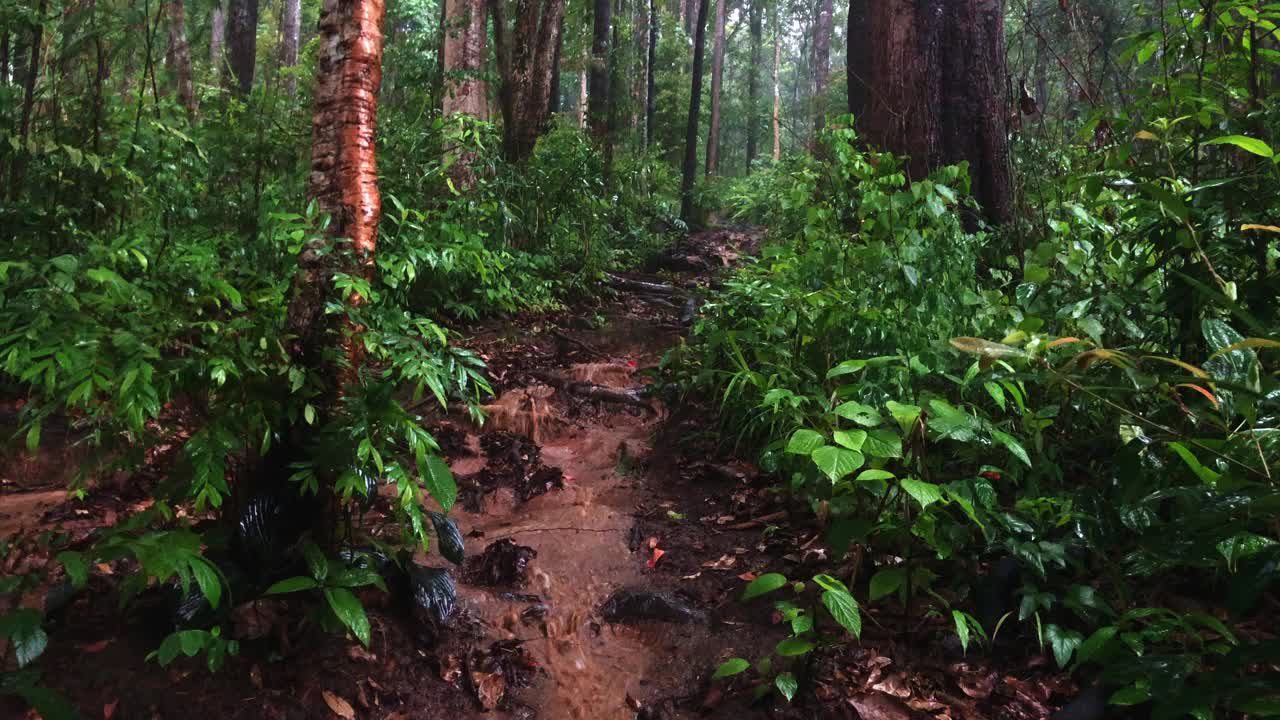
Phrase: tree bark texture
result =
(465, 53)
(651, 99)
(938, 91)
(217, 35)
(525, 54)
(858, 60)
(343, 178)
(690, 174)
(182, 57)
(821, 65)
(291, 33)
(598, 95)
(777, 89)
(242, 42)
(555, 69)
(717, 81)
(756, 20)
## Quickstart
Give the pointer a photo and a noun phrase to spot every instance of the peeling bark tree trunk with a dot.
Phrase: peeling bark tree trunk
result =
(777, 89)
(582, 98)
(821, 66)
(598, 98)
(938, 91)
(291, 31)
(555, 70)
(858, 60)
(182, 57)
(217, 36)
(343, 179)
(753, 80)
(690, 174)
(717, 80)
(525, 57)
(242, 45)
(651, 100)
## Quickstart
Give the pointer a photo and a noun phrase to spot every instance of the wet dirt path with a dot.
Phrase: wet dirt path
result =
(586, 535)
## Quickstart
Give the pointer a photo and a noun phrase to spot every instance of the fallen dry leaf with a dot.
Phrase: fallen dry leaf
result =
(109, 710)
(747, 576)
(657, 555)
(95, 647)
(724, 563)
(340, 707)
(490, 687)
(878, 706)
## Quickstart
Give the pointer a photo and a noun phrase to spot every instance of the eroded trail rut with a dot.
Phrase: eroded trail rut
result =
(611, 632)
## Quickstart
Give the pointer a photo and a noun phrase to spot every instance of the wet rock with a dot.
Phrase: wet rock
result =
(448, 537)
(502, 564)
(434, 594)
(493, 672)
(627, 606)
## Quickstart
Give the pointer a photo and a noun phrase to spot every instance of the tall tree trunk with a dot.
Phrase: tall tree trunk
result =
(582, 97)
(182, 57)
(753, 79)
(938, 91)
(821, 66)
(242, 43)
(4, 56)
(28, 96)
(777, 89)
(525, 57)
(217, 35)
(651, 100)
(290, 31)
(555, 70)
(344, 178)
(690, 16)
(858, 60)
(717, 80)
(464, 56)
(690, 174)
(598, 97)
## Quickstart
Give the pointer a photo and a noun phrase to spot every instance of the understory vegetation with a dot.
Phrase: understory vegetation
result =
(1058, 430)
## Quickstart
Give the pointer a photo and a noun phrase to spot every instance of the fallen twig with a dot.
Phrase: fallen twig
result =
(627, 396)
(754, 522)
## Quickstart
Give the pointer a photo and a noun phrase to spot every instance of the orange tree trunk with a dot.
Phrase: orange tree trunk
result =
(343, 180)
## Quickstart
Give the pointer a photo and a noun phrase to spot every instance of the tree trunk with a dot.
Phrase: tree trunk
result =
(555, 70)
(291, 31)
(717, 80)
(651, 100)
(695, 112)
(938, 91)
(242, 43)
(28, 97)
(777, 89)
(217, 35)
(858, 60)
(582, 98)
(525, 55)
(182, 57)
(343, 179)
(598, 97)
(753, 79)
(465, 54)
(821, 66)
(690, 16)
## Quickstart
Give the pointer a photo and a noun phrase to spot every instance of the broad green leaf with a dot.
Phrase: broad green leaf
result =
(872, 474)
(925, 493)
(729, 668)
(886, 582)
(836, 462)
(1207, 475)
(1063, 642)
(1244, 142)
(293, 584)
(905, 415)
(349, 610)
(439, 481)
(883, 443)
(1095, 643)
(77, 567)
(804, 442)
(1012, 445)
(962, 629)
(766, 583)
(860, 413)
(791, 647)
(844, 609)
(787, 685)
(852, 439)
(847, 367)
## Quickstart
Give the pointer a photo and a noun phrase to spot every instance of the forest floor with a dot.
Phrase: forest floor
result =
(609, 534)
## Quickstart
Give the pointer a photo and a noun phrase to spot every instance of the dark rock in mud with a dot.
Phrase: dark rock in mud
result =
(434, 594)
(539, 482)
(508, 448)
(628, 606)
(502, 564)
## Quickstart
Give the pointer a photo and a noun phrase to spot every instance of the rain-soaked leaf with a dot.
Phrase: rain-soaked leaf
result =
(766, 583)
(787, 685)
(340, 707)
(448, 537)
(730, 667)
(433, 591)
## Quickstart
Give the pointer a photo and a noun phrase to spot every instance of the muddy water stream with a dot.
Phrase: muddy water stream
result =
(581, 535)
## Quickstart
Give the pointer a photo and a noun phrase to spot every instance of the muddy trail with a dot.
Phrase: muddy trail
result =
(607, 541)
